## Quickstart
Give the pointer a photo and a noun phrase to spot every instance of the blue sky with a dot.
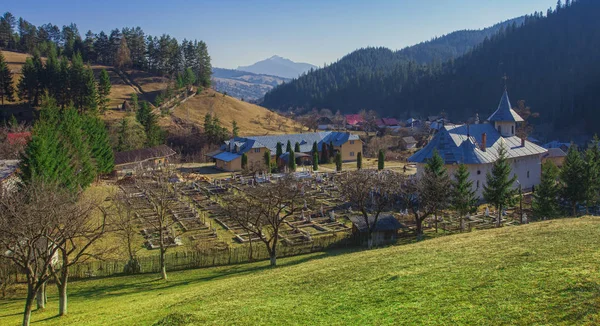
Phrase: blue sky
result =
(242, 32)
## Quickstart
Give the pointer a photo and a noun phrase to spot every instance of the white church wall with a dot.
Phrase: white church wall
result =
(527, 168)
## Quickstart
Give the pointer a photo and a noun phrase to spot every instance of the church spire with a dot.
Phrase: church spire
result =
(504, 111)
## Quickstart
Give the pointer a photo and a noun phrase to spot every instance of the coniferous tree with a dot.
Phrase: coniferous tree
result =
(573, 179)
(278, 151)
(545, 198)
(359, 161)
(381, 160)
(99, 143)
(315, 148)
(338, 162)
(297, 147)
(121, 136)
(315, 161)
(267, 160)
(104, 87)
(134, 102)
(291, 160)
(592, 170)
(235, 130)
(149, 121)
(325, 159)
(244, 161)
(288, 147)
(90, 92)
(71, 127)
(7, 89)
(331, 150)
(463, 199)
(435, 185)
(498, 189)
(29, 84)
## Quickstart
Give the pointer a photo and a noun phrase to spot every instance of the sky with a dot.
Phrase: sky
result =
(241, 32)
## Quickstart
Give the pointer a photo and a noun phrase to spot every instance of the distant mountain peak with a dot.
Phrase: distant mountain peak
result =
(278, 66)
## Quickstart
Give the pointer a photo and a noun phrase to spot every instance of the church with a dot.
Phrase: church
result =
(477, 145)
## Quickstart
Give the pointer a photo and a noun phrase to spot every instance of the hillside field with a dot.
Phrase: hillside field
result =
(541, 273)
(148, 86)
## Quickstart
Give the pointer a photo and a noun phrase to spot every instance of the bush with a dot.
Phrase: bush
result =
(199, 90)
(132, 267)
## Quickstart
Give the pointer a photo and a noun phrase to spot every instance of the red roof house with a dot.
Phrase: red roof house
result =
(354, 119)
(18, 137)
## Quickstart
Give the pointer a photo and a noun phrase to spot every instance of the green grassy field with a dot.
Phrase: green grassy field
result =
(542, 273)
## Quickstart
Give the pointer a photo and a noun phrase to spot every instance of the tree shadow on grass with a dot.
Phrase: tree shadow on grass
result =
(156, 284)
(581, 301)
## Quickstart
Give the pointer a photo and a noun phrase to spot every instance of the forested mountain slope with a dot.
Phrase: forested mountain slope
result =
(349, 83)
(551, 62)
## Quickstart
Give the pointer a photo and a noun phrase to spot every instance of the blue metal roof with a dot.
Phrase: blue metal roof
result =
(226, 156)
(505, 111)
(305, 140)
(462, 144)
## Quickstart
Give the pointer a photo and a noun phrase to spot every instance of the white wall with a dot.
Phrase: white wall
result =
(528, 170)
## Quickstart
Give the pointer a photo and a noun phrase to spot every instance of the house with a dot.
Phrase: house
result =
(8, 175)
(556, 155)
(126, 163)
(556, 144)
(477, 147)
(20, 138)
(412, 123)
(410, 142)
(229, 157)
(387, 123)
(354, 120)
(386, 229)
(325, 123)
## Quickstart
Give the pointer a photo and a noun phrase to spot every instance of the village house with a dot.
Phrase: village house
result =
(477, 147)
(8, 175)
(410, 142)
(354, 121)
(128, 162)
(229, 157)
(556, 155)
(386, 229)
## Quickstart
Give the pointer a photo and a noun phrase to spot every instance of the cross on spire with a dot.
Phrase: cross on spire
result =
(505, 78)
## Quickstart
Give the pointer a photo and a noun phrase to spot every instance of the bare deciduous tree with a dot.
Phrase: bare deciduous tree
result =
(81, 228)
(161, 194)
(262, 210)
(124, 222)
(371, 193)
(36, 224)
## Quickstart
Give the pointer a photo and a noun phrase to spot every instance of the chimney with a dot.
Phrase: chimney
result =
(468, 131)
(483, 141)
(522, 142)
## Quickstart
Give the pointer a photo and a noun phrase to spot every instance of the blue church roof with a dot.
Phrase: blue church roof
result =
(462, 144)
(504, 111)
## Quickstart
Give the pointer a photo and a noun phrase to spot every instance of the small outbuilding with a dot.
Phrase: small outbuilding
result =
(386, 229)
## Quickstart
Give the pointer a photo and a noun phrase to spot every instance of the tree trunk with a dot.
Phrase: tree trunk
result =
(40, 297)
(499, 221)
(574, 209)
(163, 267)
(273, 258)
(436, 222)
(28, 304)
(419, 223)
(62, 297)
(462, 223)
(369, 240)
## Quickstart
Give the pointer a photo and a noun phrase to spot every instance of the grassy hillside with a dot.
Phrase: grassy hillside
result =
(148, 86)
(249, 117)
(542, 273)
